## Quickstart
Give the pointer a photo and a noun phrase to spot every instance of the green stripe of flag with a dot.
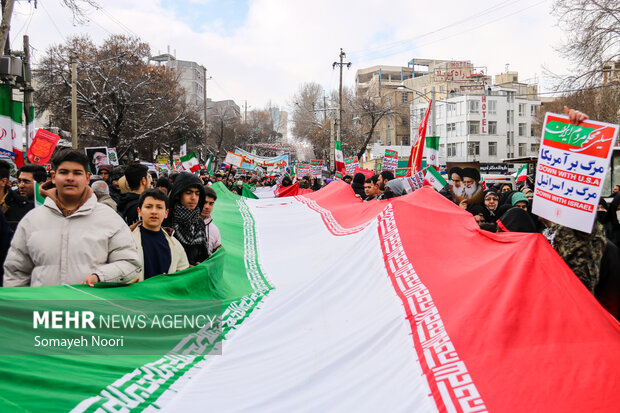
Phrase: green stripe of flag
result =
(435, 176)
(232, 275)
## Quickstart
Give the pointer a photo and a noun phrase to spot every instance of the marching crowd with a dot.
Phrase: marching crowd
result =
(119, 226)
(125, 224)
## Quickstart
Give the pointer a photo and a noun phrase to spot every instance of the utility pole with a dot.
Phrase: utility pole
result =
(332, 162)
(204, 107)
(324, 109)
(74, 129)
(27, 89)
(433, 112)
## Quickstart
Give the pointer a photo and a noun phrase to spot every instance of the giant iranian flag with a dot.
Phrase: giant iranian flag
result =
(464, 321)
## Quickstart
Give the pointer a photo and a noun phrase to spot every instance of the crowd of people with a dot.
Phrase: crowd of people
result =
(118, 226)
(126, 224)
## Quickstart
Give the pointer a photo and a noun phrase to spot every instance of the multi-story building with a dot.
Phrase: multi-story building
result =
(226, 108)
(485, 123)
(382, 83)
(191, 77)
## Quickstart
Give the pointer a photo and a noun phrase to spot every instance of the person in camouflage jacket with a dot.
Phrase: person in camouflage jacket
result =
(582, 252)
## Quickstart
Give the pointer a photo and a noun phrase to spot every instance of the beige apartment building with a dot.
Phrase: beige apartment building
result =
(382, 83)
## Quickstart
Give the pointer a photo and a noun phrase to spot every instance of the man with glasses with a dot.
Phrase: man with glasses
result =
(26, 177)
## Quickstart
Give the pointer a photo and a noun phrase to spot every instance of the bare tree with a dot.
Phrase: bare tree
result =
(122, 100)
(601, 104)
(309, 116)
(593, 37)
(78, 10)
(222, 120)
(370, 111)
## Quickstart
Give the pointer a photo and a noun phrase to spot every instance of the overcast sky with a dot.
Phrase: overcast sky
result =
(262, 50)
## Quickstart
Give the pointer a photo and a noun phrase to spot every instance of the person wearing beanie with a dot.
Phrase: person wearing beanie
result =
(394, 188)
(104, 172)
(519, 200)
(516, 220)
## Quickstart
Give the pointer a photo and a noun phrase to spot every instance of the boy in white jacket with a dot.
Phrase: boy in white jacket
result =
(72, 238)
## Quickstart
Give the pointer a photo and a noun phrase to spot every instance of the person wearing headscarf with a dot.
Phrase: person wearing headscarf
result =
(187, 199)
(612, 220)
(358, 184)
(516, 220)
(489, 206)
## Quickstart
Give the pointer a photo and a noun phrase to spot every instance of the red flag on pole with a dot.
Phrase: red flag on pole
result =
(417, 147)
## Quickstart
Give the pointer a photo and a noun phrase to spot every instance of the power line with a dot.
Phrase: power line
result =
(375, 56)
(467, 19)
(26, 23)
(53, 22)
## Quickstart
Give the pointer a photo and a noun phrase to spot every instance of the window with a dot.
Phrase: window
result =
(532, 131)
(510, 117)
(452, 149)
(492, 128)
(404, 121)
(534, 148)
(388, 137)
(532, 110)
(404, 98)
(473, 148)
(473, 127)
(388, 122)
(388, 102)
(522, 129)
(510, 97)
(404, 140)
(511, 155)
(492, 148)
(492, 107)
(378, 136)
(522, 149)
(451, 108)
(474, 106)
(522, 109)
(510, 138)
(450, 129)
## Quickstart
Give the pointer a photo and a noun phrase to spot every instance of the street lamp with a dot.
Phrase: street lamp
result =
(431, 100)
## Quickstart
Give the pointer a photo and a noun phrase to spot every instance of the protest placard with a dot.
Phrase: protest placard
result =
(350, 164)
(572, 164)
(303, 169)
(390, 160)
(316, 167)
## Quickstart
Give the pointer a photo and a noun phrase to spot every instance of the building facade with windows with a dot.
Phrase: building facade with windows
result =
(190, 76)
(382, 84)
(496, 124)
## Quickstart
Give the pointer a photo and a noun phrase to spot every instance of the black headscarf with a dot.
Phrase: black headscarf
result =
(358, 184)
(611, 221)
(516, 220)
